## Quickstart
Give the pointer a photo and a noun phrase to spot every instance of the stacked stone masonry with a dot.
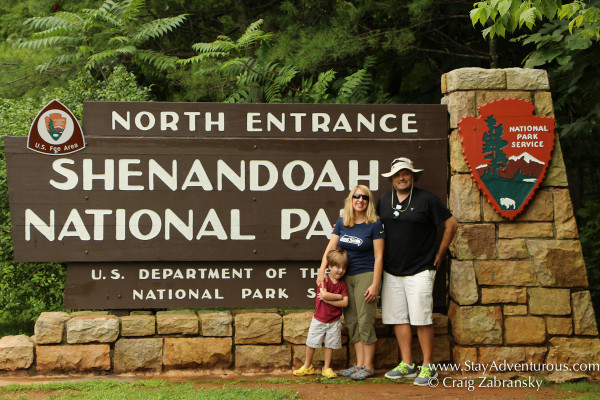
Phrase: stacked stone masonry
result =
(517, 289)
(143, 342)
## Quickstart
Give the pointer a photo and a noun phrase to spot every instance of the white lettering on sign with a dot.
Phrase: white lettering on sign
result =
(269, 293)
(317, 122)
(194, 273)
(252, 175)
(324, 123)
(527, 144)
(529, 128)
(143, 224)
(167, 121)
(320, 220)
(176, 294)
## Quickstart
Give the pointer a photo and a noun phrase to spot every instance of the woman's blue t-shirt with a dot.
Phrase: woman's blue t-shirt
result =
(358, 242)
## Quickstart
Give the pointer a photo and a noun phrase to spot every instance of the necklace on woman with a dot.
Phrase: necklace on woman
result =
(398, 209)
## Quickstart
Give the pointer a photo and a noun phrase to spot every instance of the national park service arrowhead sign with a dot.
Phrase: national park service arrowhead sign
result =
(55, 131)
(508, 150)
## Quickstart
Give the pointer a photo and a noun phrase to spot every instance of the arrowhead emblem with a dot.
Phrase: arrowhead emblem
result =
(55, 131)
(508, 150)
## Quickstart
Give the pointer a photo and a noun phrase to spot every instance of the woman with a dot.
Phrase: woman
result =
(360, 233)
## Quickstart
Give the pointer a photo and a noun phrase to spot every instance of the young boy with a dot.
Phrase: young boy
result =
(331, 298)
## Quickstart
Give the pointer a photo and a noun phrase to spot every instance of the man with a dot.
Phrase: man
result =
(411, 217)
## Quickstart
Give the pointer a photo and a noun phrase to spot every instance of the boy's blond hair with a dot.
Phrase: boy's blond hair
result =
(337, 257)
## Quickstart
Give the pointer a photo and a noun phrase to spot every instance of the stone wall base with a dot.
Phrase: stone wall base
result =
(204, 342)
(217, 343)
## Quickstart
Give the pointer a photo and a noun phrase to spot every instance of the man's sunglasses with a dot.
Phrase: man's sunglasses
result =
(360, 196)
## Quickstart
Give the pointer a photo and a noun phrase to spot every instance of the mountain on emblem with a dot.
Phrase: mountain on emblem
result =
(55, 131)
(508, 151)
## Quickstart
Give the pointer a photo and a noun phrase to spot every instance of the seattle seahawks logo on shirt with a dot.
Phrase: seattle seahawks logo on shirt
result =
(351, 239)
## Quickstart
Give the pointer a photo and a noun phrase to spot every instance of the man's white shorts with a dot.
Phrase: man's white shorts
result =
(331, 332)
(407, 299)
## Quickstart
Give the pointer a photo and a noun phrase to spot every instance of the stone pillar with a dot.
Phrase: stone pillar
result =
(518, 289)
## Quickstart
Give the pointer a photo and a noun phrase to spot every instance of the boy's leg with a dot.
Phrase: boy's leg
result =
(328, 358)
(310, 353)
(333, 340)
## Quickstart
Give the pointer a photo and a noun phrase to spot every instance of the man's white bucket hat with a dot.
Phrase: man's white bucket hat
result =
(400, 164)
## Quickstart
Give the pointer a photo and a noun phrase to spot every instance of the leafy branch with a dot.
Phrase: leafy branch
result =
(102, 38)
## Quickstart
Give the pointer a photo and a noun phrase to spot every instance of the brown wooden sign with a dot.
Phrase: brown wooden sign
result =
(319, 121)
(190, 284)
(194, 200)
(217, 184)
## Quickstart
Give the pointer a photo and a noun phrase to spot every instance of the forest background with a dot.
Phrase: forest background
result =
(305, 51)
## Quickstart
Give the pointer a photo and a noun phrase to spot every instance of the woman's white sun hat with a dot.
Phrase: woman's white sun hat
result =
(400, 164)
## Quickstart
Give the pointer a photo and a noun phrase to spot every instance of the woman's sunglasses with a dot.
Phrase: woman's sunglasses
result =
(360, 196)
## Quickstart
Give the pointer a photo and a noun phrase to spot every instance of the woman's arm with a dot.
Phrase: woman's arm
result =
(333, 242)
(373, 290)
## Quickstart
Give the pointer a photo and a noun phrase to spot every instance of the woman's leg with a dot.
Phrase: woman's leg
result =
(369, 355)
(366, 320)
(359, 349)
(351, 318)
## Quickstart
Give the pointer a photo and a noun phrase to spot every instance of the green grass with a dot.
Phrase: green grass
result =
(163, 390)
(580, 390)
(139, 390)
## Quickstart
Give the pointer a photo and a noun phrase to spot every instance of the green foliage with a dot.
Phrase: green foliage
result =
(26, 289)
(14, 12)
(501, 16)
(100, 38)
(245, 60)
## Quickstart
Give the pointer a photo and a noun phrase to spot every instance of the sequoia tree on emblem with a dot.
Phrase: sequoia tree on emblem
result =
(508, 150)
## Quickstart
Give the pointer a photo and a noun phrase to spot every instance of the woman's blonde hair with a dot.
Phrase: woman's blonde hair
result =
(348, 215)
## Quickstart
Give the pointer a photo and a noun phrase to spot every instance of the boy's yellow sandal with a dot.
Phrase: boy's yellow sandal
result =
(304, 371)
(328, 373)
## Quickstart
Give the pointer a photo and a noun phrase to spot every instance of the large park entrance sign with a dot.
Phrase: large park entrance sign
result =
(204, 204)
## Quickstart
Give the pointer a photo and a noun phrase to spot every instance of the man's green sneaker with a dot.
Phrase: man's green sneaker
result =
(403, 370)
(426, 374)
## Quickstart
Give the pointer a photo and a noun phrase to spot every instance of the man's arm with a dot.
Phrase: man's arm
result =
(450, 227)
